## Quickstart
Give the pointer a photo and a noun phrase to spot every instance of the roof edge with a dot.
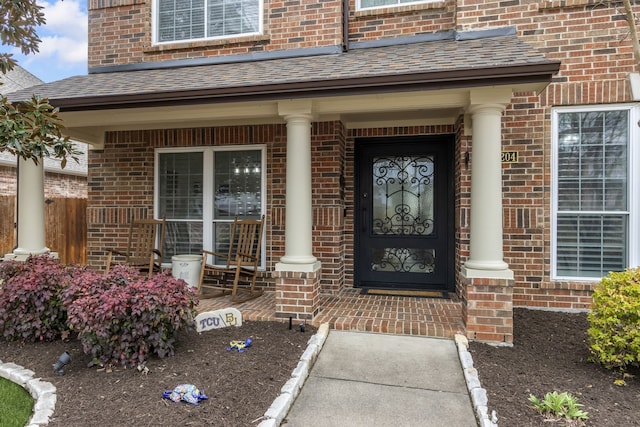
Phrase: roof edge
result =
(443, 79)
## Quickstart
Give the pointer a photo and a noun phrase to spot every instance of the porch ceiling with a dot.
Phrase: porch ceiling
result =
(426, 82)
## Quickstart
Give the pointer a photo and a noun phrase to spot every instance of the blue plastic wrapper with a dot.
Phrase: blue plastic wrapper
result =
(185, 392)
(239, 345)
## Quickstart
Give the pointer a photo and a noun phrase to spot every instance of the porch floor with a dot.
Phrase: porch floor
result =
(349, 310)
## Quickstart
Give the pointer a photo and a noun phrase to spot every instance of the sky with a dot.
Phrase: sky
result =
(63, 51)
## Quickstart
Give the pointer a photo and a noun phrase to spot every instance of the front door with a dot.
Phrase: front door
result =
(404, 213)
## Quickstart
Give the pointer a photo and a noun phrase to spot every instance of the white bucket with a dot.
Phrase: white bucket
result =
(187, 268)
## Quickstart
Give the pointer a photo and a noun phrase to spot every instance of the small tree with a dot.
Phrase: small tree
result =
(30, 129)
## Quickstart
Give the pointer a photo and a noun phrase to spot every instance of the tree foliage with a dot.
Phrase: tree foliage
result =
(30, 129)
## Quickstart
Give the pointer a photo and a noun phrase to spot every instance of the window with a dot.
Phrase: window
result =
(372, 4)
(178, 20)
(201, 191)
(595, 191)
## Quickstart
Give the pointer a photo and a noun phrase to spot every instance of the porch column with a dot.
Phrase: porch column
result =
(485, 276)
(298, 272)
(31, 215)
(486, 190)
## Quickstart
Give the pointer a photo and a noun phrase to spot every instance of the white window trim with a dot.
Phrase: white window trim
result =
(208, 190)
(633, 243)
(359, 4)
(154, 27)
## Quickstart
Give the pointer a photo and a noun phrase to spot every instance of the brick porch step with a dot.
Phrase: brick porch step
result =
(349, 310)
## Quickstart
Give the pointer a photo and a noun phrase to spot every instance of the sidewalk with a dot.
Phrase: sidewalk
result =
(363, 379)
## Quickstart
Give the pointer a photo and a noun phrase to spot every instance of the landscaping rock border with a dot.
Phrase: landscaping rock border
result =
(476, 392)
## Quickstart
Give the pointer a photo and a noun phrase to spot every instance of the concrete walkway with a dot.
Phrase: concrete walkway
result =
(363, 379)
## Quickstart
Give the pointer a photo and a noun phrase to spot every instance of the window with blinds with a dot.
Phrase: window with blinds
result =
(180, 20)
(201, 190)
(591, 184)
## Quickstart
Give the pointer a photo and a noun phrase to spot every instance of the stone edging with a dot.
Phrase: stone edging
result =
(288, 393)
(477, 393)
(44, 393)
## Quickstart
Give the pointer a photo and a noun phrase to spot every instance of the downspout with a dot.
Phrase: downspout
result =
(345, 25)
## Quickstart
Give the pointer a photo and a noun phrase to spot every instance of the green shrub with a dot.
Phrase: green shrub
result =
(30, 304)
(124, 317)
(614, 332)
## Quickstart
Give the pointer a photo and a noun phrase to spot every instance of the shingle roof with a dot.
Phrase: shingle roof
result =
(441, 60)
(16, 79)
(19, 79)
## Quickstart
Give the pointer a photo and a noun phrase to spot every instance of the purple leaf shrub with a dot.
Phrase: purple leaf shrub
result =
(124, 317)
(30, 305)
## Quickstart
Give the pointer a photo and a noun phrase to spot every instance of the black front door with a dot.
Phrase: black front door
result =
(404, 213)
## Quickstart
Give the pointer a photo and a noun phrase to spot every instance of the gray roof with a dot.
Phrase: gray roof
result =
(20, 79)
(444, 61)
(16, 79)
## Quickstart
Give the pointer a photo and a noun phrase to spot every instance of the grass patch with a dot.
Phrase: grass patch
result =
(16, 404)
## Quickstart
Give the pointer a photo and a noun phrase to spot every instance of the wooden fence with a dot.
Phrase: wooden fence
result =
(66, 228)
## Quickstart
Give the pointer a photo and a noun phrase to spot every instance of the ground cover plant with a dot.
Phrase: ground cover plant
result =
(16, 404)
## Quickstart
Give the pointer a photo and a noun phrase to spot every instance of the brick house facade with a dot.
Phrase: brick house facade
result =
(336, 81)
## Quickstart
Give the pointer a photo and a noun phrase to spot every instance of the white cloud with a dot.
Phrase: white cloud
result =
(63, 50)
(66, 18)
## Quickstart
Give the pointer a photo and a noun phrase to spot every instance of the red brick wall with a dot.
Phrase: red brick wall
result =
(120, 32)
(55, 184)
(400, 21)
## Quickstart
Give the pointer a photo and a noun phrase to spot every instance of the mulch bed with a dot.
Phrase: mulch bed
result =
(240, 386)
(550, 354)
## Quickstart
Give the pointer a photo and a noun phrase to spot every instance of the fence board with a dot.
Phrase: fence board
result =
(65, 225)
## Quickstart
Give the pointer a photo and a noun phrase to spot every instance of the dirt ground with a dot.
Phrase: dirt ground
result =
(240, 386)
(550, 354)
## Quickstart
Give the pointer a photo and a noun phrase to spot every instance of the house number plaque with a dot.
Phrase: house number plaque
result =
(509, 157)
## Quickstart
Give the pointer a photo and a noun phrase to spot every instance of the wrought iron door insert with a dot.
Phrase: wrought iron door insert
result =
(403, 222)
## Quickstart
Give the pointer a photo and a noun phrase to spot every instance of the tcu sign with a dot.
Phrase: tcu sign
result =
(218, 319)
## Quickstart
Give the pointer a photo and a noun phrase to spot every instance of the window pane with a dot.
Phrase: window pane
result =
(229, 17)
(180, 190)
(182, 238)
(592, 161)
(237, 183)
(593, 177)
(180, 20)
(591, 245)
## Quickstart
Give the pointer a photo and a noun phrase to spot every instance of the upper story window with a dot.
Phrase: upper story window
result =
(373, 4)
(595, 185)
(186, 20)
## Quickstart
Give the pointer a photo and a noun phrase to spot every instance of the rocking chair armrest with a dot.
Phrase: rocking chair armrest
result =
(216, 254)
(250, 256)
(117, 252)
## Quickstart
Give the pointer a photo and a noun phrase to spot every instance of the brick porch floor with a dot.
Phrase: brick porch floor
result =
(349, 310)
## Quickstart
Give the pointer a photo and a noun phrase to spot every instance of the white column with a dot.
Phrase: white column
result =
(31, 215)
(486, 191)
(299, 214)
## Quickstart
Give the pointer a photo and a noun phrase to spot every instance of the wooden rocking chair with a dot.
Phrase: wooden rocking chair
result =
(142, 252)
(240, 263)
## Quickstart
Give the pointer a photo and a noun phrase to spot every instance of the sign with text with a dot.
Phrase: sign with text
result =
(217, 319)
(509, 157)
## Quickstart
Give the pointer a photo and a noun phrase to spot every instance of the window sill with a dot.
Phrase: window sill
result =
(573, 285)
(205, 43)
